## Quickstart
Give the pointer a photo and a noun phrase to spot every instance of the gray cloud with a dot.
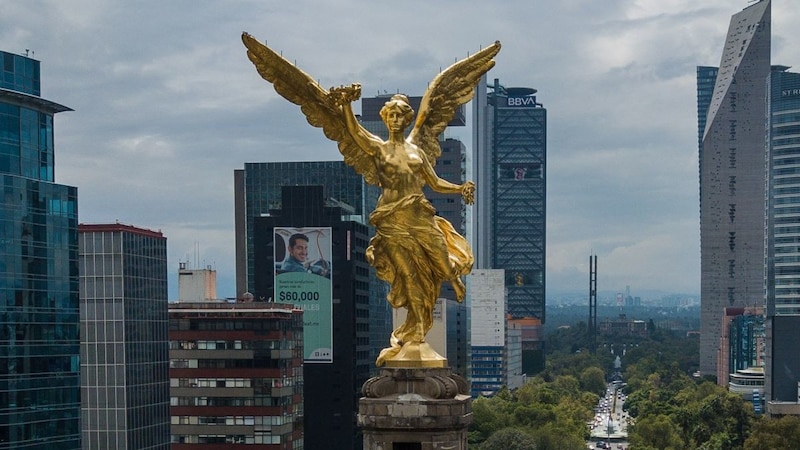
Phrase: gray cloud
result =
(167, 106)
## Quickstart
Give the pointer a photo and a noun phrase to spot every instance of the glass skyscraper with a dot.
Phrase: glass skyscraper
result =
(510, 157)
(124, 331)
(782, 243)
(732, 177)
(507, 224)
(39, 340)
(783, 200)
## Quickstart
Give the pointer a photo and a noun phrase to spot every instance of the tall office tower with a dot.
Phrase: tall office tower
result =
(236, 375)
(39, 322)
(257, 190)
(508, 222)
(312, 256)
(124, 347)
(732, 179)
(782, 366)
(451, 167)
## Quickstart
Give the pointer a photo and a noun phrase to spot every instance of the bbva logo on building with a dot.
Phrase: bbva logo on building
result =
(522, 101)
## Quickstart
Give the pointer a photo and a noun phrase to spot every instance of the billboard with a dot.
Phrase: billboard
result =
(303, 279)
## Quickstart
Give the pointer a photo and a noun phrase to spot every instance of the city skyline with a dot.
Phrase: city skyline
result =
(167, 106)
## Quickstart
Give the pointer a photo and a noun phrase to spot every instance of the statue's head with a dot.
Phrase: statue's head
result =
(399, 103)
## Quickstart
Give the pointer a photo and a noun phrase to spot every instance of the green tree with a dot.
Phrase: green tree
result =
(593, 379)
(509, 439)
(770, 434)
(552, 437)
(488, 416)
(656, 432)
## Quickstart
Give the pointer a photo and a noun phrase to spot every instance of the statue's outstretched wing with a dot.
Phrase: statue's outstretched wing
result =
(315, 102)
(450, 89)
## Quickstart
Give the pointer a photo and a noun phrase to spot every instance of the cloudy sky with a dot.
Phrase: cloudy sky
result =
(167, 105)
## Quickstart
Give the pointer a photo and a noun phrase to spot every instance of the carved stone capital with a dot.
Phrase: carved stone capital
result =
(428, 383)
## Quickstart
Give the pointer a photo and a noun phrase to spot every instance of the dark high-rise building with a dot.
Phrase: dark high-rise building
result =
(257, 190)
(39, 322)
(333, 289)
(509, 165)
(124, 353)
(236, 376)
(783, 243)
(732, 177)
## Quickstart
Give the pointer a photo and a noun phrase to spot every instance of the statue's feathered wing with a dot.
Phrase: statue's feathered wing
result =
(450, 89)
(318, 106)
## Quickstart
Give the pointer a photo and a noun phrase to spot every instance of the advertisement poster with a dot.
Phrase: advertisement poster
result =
(303, 279)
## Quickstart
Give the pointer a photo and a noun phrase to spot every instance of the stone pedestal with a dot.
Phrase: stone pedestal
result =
(415, 409)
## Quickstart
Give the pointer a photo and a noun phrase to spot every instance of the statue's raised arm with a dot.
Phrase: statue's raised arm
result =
(413, 249)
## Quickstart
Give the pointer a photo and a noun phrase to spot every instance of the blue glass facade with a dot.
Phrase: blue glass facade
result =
(746, 335)
(783, 195)
(39, 337)
(20, 74)
(706, 78)
(487, 370)
(783, 242)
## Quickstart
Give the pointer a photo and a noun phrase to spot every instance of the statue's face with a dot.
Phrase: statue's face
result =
(395, 119)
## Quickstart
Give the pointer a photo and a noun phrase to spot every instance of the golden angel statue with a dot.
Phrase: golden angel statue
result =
(413, 249)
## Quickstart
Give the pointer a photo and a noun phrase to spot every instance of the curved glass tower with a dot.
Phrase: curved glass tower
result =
(39, 344)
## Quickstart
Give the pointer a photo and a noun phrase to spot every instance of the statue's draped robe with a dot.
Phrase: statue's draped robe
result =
(415, 250)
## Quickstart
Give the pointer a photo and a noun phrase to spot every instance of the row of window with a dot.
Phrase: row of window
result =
(227, 325)
(263, 362)
(786, 117)
(233, 345)
(257, 421)
(258, 400)
(210, 382)
(257, 438)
